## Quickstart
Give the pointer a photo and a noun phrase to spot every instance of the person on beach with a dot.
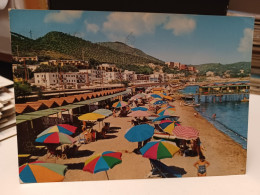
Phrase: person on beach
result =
(201, 165)
(214, 116)
(114, 112)
(196, 114)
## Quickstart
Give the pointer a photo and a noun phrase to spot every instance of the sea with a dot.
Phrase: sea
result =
(231, 117)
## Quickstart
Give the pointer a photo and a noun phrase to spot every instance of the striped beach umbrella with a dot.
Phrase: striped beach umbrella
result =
(169, 128)
(164, 123)
(159, 149)
(61, 128)
(168, 111)
(119, 104)
(102, 162)
(55, 138)
(187, 133)
(39, 171)
(164, 107)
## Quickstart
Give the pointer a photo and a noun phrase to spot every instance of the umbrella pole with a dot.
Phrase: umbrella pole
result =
(107, 176)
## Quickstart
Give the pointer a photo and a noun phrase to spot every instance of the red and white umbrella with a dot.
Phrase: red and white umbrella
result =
(186, 133)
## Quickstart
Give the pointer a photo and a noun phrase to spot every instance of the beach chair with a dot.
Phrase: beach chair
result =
(161, 170)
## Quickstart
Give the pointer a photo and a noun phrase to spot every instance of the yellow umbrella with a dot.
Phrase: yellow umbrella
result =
(170, 128)
(90, 117)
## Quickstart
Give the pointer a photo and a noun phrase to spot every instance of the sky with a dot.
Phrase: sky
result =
(189, 39)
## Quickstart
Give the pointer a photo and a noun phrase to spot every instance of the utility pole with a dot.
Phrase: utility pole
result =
(17, 50)
(30, 32)
(25, 71)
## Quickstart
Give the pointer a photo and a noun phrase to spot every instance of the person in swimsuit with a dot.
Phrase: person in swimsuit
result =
(201, 165)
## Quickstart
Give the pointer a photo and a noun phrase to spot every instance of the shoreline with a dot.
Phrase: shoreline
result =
(220, 148)
(225, 156)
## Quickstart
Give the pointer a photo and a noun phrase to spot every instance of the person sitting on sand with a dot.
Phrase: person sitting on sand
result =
(201, 165)
(114, 113)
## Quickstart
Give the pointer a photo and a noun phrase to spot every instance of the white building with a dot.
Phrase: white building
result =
(111, 76)
(156, 77)
(210, 74)
(129, 75)
(54, 79)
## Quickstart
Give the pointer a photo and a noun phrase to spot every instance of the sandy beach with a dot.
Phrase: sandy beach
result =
(226, 157)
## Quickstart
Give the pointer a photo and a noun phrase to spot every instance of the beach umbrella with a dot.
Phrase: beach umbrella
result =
(187, 133)
(62, 128)
(39, 171)
(164, 108)
(91, 117)
(167, 97)
(119, 104)
(164, 123)
(159, 102)
(154, 100)
(139, 108)
(159, 149)
(156, 96)
(169, 128)
(104, 112)
(139, 113)
(102, 162)
(137, 96)
(172, 118)
(55, 138)
(168, 111)
(161, 118)
(139, 133)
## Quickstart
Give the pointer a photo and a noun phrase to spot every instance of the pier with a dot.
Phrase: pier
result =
(222, 92)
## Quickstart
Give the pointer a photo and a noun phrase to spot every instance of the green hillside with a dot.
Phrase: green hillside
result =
(220, 69)
(58, 45)
(121, 47)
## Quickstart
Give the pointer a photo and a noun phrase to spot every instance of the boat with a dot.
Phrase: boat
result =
(245, 99)
(191, 104)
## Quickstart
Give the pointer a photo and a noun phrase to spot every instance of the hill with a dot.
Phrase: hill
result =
(58, 45)
(220, 69)
(123, 48)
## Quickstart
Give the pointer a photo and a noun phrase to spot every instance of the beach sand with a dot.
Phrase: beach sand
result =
(226, 157)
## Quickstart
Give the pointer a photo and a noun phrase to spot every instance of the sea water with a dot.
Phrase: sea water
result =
(231, 117)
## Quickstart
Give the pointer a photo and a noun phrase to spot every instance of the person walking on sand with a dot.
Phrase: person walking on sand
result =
(201, 165)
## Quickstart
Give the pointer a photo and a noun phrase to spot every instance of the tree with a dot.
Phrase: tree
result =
(69, 68)
(93, 63)
(22, 90)
(125, 83)
(20, 73)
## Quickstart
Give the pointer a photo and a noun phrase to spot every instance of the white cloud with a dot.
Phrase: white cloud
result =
(79, 34)
(119, 25)
(245, 45)
(91, 27)
(63, 17)
(180, 24)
